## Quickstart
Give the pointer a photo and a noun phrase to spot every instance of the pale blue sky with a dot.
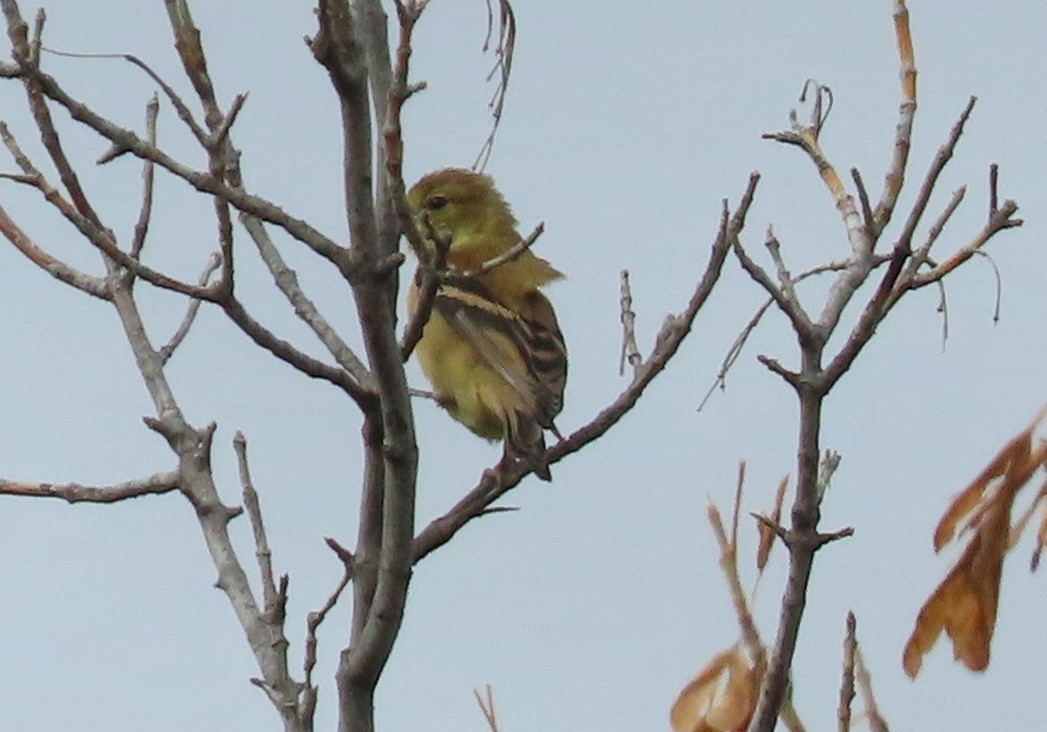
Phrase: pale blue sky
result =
(592, 606)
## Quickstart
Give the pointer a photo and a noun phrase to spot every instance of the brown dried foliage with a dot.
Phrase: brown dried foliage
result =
(721, 698)
(964, 605)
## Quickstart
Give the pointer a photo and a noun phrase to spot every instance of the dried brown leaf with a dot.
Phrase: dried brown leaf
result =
(1014, 464)
(721, 698)
(964, 605)
(1018, 527)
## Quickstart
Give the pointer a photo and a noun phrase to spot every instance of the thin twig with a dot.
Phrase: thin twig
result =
(999, 284)
(141, 229)
(876, 721)
(630, 351)
(316, 618)
(920, 255)
(863, 199)
(743, 614)
(895, 176)
(504, 50)
(94, 286)
(428, 278)
(487, 708)
(286, 280)
(830, 461)
(850, 645)
(509, 254)
(737, 347)
(254, 513)
(788, 305)
(168, 349)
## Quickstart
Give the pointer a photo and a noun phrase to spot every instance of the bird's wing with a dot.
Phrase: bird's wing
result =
(528, 352)
(547, 356)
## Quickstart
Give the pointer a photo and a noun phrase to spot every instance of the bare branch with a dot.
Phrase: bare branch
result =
(494, 484)
(180, 106)
(941, 159)
(893, 286)
(401, 90)
(511, 253)
(503, 66)
(152, 109)
(487, 708)
(167, 350)
(743, 614)
(872, 712)
(858, 234)
(895, 176)
(919, 257)
(1001, 220)
(347, 46)
(999, 283)
(313, 622)
(287, 281)
(289, 354)
(202, 181)
(155, 484)
(93, 231)
(221, 134)
(58, 269)
(630, 351)
(432, 256)
(254, 512)
(863, 198)
(773, 366)
(788, 305)
(735, 351)
(850, 646)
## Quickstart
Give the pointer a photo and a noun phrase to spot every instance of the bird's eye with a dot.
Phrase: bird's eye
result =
(436, 203)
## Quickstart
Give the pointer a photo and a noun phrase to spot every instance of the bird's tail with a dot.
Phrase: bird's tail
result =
(525, 441)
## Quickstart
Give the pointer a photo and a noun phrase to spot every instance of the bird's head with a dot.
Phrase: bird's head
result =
(468, 207)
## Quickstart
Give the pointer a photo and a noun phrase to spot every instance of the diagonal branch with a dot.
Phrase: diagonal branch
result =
(495, 484)
(286, 280)
(58, 269)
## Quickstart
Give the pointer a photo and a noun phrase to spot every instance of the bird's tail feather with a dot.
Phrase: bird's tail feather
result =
(525, 441)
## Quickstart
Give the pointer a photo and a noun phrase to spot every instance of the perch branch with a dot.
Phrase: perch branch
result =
(494, 484)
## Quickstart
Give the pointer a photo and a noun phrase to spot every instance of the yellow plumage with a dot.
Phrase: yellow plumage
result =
(492, 348)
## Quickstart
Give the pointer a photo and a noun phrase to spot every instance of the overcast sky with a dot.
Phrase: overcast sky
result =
(593, 605)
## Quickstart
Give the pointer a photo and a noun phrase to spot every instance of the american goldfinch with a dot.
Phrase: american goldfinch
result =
(492, 348)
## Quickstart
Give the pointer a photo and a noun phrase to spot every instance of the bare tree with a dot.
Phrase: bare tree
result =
(905, 264)
(370, 78)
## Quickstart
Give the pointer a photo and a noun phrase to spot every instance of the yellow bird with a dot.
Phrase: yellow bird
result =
(492, 348)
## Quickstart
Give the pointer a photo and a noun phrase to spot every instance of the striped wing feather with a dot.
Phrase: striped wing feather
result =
(526, 349)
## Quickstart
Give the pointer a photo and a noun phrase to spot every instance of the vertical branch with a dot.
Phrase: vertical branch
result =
(384, 550)
(850, 646)
(895, 176)
(802, 541)
(630, 351)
